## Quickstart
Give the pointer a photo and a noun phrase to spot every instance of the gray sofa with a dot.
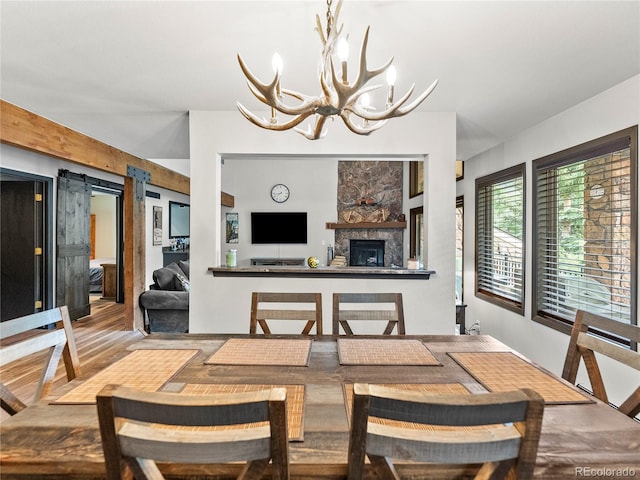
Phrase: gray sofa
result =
(166, 303)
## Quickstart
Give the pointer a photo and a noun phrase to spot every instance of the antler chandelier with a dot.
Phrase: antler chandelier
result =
(348, 100)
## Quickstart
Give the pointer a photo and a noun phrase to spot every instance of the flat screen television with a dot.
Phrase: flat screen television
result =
(178, 220)
(276, 227)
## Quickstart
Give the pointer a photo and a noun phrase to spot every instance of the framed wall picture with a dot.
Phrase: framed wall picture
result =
(157, 225)
(459, 170)
(232, 227)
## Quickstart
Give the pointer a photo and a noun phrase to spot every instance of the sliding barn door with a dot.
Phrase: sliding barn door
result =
(73, 248)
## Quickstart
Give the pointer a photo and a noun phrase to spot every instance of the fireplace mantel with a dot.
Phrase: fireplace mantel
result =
(333, 226)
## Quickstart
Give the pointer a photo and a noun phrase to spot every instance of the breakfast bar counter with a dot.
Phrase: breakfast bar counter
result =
(322, 272)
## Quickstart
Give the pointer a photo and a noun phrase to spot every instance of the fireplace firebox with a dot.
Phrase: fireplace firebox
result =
(366, 253)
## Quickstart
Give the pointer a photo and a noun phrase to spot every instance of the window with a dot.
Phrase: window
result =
(586, 231)
(500, 232)
(459, 247)
(416, 178)
(416, 246)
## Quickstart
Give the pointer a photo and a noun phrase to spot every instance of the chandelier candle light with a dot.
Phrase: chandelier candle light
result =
(349, 101)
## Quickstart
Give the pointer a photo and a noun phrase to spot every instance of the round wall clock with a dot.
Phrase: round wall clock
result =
(280, 193)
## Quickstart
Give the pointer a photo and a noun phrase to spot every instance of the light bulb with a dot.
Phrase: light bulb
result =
(343, 54)
(391, 81)
(365, 103)
(276, 63)
(343, 49)
(391, 75)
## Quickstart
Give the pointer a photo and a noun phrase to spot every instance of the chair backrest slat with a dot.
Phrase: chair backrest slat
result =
(194, 410)
(384, 307)
(21, 338)
(628, 357)
(585, 342)
(360, 297)
(445, 447)
(453, 410)
(260, 314)
(15, 326)
(140, 441)
(624, 330)
(288, 297)
(278, 314)
(368, 315)
(32, 345)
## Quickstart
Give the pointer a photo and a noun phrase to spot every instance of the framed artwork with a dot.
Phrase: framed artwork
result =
(232, 227)
(416, 178)
(157, 225)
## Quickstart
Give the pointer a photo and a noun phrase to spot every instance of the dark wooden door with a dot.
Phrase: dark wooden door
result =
(21, 266)
(73, 248)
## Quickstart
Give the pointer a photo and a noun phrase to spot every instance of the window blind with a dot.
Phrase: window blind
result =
(584, 234)
(499, 237)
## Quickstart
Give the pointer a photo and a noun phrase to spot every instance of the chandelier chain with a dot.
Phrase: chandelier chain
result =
(329, 17)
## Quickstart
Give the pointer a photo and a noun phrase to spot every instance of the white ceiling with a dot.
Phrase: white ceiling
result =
(128, 72)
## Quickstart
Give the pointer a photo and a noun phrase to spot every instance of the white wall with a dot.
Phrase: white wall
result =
(612, 110)
(30, 162)
(154, 252)
(104, 208)
(313, 188)
(216, 135)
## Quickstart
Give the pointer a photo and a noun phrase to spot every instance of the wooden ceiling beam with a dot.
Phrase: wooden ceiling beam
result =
(27, 130)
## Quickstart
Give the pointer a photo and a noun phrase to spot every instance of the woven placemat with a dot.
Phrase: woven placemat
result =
(146, 370)
(263, 351)
(427, 388)
(295, 402)
(504, 371)
(384, 351)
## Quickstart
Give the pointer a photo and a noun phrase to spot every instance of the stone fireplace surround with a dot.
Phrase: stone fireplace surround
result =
(364, 187)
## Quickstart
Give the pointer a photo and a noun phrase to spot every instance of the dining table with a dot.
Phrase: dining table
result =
(59, 437)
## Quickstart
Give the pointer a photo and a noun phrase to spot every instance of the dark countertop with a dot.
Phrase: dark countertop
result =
(322, 272)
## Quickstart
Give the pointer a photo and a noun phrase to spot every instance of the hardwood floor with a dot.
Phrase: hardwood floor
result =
(99, 338)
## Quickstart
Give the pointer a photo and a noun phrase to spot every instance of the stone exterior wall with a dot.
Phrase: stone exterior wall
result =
(365, 189)
(607, 232)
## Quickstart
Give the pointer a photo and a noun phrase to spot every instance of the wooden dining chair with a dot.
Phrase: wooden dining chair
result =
(583, 344)
(260, 315)
(25, 336)
(140, 428)
(451, 431)
(390, 309)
